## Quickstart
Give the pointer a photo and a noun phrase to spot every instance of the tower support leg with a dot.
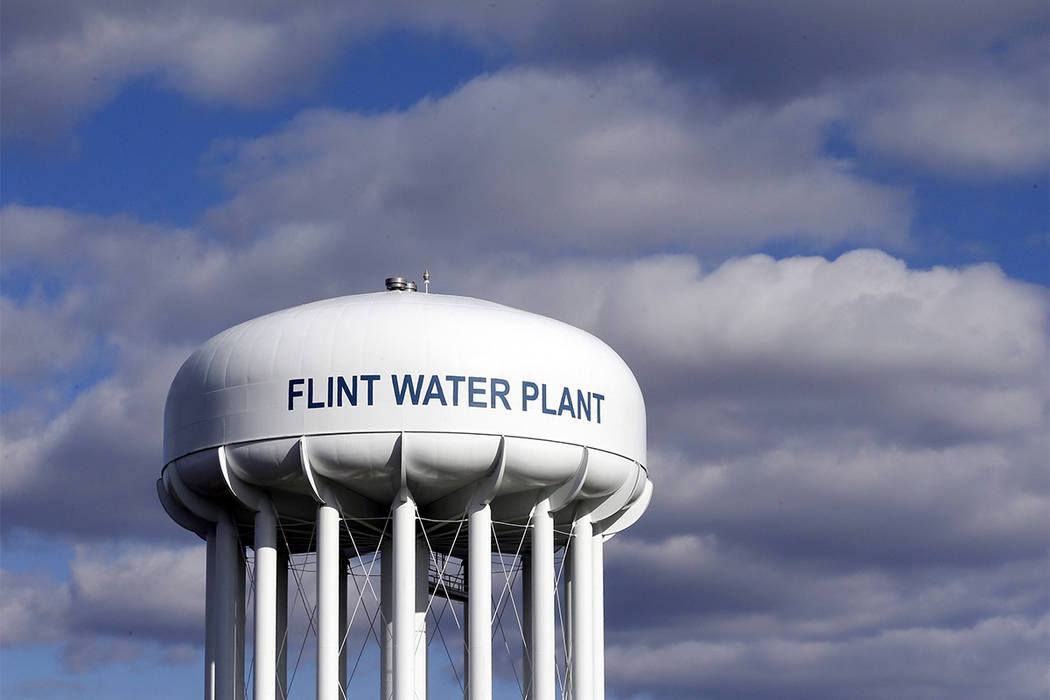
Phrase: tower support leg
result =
(265, 674)
(598, 598)
(479, 602)
(282, 623)
(581, 588)
(419, 642)
(404, 598)
(526, 626)
(224, 633)
(327, 603)
(542, 627)
(344, 631)
(386, 627)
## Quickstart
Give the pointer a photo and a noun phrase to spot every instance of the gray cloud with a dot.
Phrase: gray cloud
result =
(849, 454)
(32, 610)
(914, 65)
(97, 457)
(760, 352)
(63, 58)
(998, 657)
(120, 604)
(150, 591)
(611, 161)
(984, 122)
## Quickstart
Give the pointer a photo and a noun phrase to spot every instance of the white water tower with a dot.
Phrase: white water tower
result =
(432, 434)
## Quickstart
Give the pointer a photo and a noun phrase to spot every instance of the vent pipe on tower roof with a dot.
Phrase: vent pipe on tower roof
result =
(399, 284)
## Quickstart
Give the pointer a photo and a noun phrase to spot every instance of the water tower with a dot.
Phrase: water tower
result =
(432, 434)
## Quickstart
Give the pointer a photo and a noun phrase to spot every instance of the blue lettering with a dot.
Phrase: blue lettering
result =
(344, 390)
(310, 403)
(293, 392)
(480, 392)
(406, 384)
(529, 392)
(543, 403)
(369, 378)
(501, 393)
(581, 407)
(566, 403)
(455, 379)
(473, 391)
(434, 391)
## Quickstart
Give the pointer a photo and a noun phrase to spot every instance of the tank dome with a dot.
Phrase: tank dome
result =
(454, 378)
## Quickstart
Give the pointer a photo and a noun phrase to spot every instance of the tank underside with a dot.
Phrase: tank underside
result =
(444, 473)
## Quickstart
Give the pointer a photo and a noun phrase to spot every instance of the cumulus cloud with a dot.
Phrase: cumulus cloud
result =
(849, 454)
(146, 590)
(61, 59)
(95, 457)
(31, 610)
(759, 350)
(64, 59)
(965, 663)
(614, 161)
(985, 121)
(34, 322)
(770, 49)
(833, 440)
(117, 604)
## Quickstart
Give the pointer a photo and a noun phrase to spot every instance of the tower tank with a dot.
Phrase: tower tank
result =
(423, 431)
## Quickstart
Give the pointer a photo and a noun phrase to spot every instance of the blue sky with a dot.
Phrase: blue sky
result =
(818, 232)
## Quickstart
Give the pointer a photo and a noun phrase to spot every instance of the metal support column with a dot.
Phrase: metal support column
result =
(281, 623)
(465, 630)
(224, 587)
(386, 621)
(526, 626)
(327, 603)
(479, 562)
(211, 622)
(421, 665)
(580, 585)
(543, 678)
(344, 632)
(265, 674)
(239, 615)
(404, 598)
(598, 598)
(224, 641)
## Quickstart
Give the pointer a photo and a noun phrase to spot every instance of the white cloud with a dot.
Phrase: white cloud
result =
(757, 362)
(760, 351)
(32, 611)
(973, 122)
(617, 160)
(918, 662)
(97, 457)
(935, 89)
(824, 432)
(849, 455)
(76, 58)
(43, 350)
(119, 603)
(147, 590)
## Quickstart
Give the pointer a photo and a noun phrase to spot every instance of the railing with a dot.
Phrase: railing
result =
(452, 584)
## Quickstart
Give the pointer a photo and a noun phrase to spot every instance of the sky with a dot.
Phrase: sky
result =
(817, 231)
